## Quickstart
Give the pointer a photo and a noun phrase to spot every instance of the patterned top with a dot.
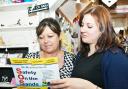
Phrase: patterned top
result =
(67, 68)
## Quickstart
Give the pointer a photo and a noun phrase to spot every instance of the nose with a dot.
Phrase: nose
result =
(45, 40)
(82, 29)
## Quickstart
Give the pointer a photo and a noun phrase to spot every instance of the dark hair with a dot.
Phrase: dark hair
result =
(51, 23)
(108, 37)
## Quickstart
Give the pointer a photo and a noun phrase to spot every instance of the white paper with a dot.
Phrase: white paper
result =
(35, 75)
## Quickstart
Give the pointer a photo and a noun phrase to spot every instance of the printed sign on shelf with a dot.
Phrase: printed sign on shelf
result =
(38, 8)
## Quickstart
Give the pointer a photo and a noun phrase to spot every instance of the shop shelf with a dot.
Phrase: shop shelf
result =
(15, 6)
(17, 27)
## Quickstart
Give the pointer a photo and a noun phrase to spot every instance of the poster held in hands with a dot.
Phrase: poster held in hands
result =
(35, 73)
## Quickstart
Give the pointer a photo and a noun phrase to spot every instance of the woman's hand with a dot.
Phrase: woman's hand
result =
(72, 83)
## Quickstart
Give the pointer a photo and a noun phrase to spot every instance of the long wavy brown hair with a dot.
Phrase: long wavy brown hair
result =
(108, 37)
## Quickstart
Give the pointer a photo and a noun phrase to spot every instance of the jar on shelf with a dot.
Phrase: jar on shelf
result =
(1, 41)
(19, 1)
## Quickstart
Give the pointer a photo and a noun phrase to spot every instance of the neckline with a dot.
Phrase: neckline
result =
(43, 55)
(91, 55)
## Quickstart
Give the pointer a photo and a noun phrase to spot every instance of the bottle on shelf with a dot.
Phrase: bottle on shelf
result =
(3, 59)
(17, 1)
(1, 41)
(28, 0)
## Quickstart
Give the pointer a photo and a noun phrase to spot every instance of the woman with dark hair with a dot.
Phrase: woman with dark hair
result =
(101, 62)
(48, 33)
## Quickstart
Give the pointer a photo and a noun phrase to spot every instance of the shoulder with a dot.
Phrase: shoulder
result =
(114, 66)
(115, 59)
(115, 53)
(68, 55)
(32, 55)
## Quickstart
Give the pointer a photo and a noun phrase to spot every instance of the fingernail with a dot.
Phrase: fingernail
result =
(48, 87)
(48, 83)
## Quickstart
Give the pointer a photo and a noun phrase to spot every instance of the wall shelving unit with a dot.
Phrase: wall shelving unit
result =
(10, 32)
(16, 6)
(10, 28)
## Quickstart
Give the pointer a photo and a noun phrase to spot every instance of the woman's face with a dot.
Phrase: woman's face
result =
(49, 41)
(90, 32)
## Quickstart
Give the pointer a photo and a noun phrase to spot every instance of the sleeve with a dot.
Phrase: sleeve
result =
(77, 57)
(115, 70)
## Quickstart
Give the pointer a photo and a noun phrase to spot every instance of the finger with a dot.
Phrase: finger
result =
(54, 82)
(58, 86)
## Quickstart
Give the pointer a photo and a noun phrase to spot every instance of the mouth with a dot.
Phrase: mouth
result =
(47, 46)
(84, 36)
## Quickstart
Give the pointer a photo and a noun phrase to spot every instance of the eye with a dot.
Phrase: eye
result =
(40, 37)
(50, 36)
(90, 26)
